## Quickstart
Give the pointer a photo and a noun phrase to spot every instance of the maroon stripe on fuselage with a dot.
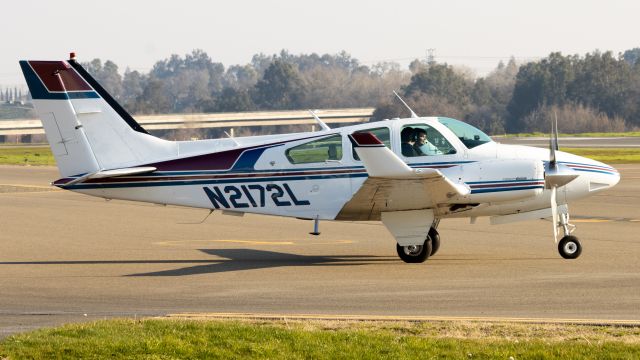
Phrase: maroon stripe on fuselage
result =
(223, 160)
(46, 72)
(219, 176)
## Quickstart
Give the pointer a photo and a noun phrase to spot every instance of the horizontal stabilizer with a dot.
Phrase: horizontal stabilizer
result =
(113, 173)
(123, 172)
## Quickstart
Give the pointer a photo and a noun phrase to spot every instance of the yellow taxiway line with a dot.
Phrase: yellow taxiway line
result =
(262, 316)
(594, 220)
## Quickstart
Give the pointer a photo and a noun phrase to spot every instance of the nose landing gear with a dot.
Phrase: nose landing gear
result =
(569, 247)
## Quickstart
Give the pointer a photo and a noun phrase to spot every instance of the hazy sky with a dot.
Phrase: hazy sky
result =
(137, 33)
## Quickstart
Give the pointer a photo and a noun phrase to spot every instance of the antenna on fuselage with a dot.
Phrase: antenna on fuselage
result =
(232, 139)
(413, 115)
(321, 123)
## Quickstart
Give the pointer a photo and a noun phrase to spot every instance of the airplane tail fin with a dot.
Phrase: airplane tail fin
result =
(88, 131)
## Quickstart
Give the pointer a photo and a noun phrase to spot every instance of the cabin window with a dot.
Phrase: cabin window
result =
(469, 135)
(321, 150)
(423, 140)
(381, 133)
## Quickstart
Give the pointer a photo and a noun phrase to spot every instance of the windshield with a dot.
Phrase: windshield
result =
(469, 135)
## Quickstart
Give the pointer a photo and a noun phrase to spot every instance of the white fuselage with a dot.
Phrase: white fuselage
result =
(504, 179)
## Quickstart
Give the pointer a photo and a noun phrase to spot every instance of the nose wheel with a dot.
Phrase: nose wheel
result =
(569, 247)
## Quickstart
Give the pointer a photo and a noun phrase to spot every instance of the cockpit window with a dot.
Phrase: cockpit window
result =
(469, 135)
(423, 140)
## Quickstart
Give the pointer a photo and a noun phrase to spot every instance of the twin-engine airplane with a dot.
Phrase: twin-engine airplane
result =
(407, 173)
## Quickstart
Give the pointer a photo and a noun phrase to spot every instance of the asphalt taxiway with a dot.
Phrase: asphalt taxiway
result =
(68, 257)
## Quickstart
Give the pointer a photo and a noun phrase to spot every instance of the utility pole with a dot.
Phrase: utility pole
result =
(431, 56)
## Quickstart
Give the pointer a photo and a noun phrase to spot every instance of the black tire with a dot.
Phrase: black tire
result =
(415, 254)
(569, 247)
(435, 241)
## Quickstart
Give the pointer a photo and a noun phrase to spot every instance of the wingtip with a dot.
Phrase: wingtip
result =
(364, 139)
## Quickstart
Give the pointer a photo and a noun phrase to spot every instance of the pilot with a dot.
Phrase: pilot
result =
(422, 145)
(406, 137)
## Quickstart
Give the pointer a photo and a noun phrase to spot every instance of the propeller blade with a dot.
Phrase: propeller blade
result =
(556, 175)
(554, 213)
(553, 140)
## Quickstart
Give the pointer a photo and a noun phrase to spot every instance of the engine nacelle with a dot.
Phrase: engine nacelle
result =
(503, 180)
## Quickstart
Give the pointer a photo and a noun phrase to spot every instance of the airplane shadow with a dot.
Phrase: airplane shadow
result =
(250, 259)
(231, 260)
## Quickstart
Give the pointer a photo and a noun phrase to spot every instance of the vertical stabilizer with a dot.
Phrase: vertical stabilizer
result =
(88, 131)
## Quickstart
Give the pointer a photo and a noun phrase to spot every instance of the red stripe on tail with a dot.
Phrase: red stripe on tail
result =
(46, 72)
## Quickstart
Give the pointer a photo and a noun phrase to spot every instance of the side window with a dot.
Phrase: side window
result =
(329, 148)
(423, 140)
(381, 133)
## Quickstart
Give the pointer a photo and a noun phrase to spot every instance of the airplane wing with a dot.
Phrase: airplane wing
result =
(393, 185)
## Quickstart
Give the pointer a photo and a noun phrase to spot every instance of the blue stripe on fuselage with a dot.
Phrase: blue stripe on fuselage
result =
(514, 188)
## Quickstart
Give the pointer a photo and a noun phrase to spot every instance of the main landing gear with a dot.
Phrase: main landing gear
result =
(420, 253)
(569, 247)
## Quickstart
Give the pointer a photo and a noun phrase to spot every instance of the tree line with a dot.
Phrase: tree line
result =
(195, 83)
(593, 92)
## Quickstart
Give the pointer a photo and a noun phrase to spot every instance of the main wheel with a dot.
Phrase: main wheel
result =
(415, 253)
(435, 241)
(569, 247)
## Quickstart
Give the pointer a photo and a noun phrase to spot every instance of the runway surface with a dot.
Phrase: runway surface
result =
(68, 257)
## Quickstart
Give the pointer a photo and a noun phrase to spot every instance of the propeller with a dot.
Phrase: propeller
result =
(556, 175)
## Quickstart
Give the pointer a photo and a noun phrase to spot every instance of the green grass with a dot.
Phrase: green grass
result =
(21, 155)
(608, 155)
(180, 339)
(594, 134)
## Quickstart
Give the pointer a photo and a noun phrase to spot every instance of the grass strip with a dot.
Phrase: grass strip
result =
(593, 134)
(26, 155)
(608, 155)
(178, 339)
